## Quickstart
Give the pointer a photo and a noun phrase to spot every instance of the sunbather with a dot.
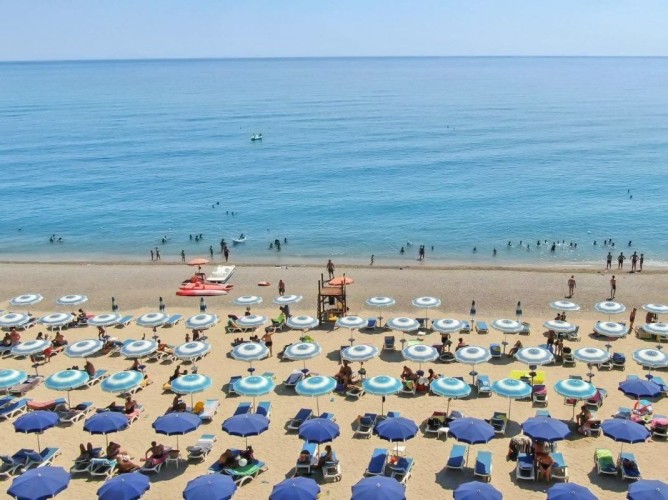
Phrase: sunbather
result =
(157, 452)
(101, 333)
(15, 336)
(327, 456)
(178, 405)
(59, 340)
(432, 375)
(228, 458)
(345, 374)
(128, 407)
(113, 450)
(7, 340)
(86, 452)
(89, 368)
(461, 344)
(407, 374)
(545, 462)
(582, 417)
(124, 464)
(196, 335)
(515, 348)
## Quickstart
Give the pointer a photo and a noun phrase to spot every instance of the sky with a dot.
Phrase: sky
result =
(143, 29)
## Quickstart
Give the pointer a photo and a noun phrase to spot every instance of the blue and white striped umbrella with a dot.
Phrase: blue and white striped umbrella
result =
(447, 325)
(192, 350)
(380, 301)
(10, 320)
(650, 358)
(575, 389)
(656, 308)
(420, 353)
(315, 386)
(30, 347)
(564, 305)
(473, 355)
(254, 385)
(507, 325)
(426, 302)
(511, 388)
(557, 325)
(302, 322)
(250, 351)
(282, 300)
(611, 329)
(302, 350)
(83, 348)
(72, 300)
(10, 377)
(122, 381)
(139, 348)
(191, 383)
(450, 387)
(591, 355)
(201, 321)
(656, 328)
(361, 353)
(66, 380)
(382, 385)
(106, 319)
(28, 299)
(56, 319)
(247, 300)
(251, 321)
(534, 356)
(152, 319)
(350, 322)
(610, 307)
(403, 324)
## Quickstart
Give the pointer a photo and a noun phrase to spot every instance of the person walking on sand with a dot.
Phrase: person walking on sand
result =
(266, 338)
(613, 287)
(571, 286)
(226, 253)
(634, 262)
(183, 255)
(608, 261)
(372, 259)
(642, 259)
(620, 261)
(281, 287)
(330, 268)
(632, 318)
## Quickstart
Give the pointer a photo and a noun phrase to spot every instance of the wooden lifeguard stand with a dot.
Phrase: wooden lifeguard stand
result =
(332, 302)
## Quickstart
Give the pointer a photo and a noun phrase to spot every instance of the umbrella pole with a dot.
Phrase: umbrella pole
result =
(191, 401)
(510, 402)
(39, 446)
(447, 410)
(317, 404)
(382, 405)
(69, 404)
(106, 437)
(177, 441)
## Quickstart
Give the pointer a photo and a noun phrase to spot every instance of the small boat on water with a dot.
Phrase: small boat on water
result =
(241, 239)
(221, 274)
(256, 137)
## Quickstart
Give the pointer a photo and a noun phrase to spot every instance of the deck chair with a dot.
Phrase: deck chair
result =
(388, 343)
(539, 395)
(327, 416)
(567, 358)
(371, 323)
(230, 385)
(102, 467)
(201, 448)
(628, 466)
(499, 421)
(243, 409)
(97, 377)
(154, 465)
(543, 413)
(659, 426)
(209, 410)
(408, 387)
(124, 321)
(526, 328)
(72, 415)
(623, 413)
(309, 462)
(30, 383)
(466, 327)
(14, 409)
(377, 463)
(172, 321)
(525, 468)
(41, 459)
(302, 416)
(332, 470)
(457, 457)
(245, 474)
(606, 365)
(13, 465)
(495, 350)
(483, 385)
(481, 327)
(366, 425)
(5, 351)
(595, 402)
(5, 400)
(435, 422)
(264, 408)
(559, 467)
(661, 383)
(605, 463)
(355, 392)
(82, 463)
(483, 465)
(50, 405)
(295, 377)
(618, 360)
(402, 470)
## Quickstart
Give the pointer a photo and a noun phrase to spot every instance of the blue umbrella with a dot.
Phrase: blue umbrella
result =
(396, 429)
(36, 422)
(83, 348)
(315, 387)
(639, 388)
(66, 380)
(106, 319)
(451, 388)
(250, 351)
(201, 321)
(512, 389)
(211, 487)
(569, 491)
(10, 377)
(624, 431)
(545, 429)
(382, 385)
(192, 350)
(190, 384)
(139, 348)
(319, 430)
(295, 488)
(122, 381)
(378, 488)
(40, 483)
(648, 489)
(176, 424)
(56, 319)
(125, 487)
(471, 430)
(152, 319)
(249, 424)
(72, 300)
(106, 423)
(476, 490)
(534, 356)
(361, 352)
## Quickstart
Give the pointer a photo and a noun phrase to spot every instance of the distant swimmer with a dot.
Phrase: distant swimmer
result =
(494, 252)
(630, 242)
(475, 249)
(402, 251)
(271, 245)
(509, 244)
(538, 243)
(211, 251)
(594, 242)
(152, 256)
(642, 259)
(372, 259)
(285, 241)
(553, 247)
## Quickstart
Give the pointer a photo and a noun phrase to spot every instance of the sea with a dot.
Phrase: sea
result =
(358, 157)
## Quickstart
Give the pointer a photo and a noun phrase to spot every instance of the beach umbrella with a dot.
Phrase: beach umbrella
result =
(72, 300)
(295, 488)
(152, 319)
(319, 430)
(378, 488)
(624, 431)
(56, 320)
(39, 483)
(396, 429)
(341, 280)
(83, 348)
(420, 353)
(471, 430)
(569, 491)
(176, 424)
(639, 388)
(473, 355)
(545, 429)
(316, 386)
(591, 355)
(250, 351)
(201, 321)
(198, 262)
(254, 386)
(447, 325)
(191, 350)
(247, 300)
(302, 322)
(557, 325)
(564, 305)
(25, 300)
(361, 353)
(426, 303)
(190, 384)
(610, 307)
(124, 487)
(211, 487)
(139, 348)
(36, 422)
(66, 380)
(403, 324)
(10, 377)
(10, 320)
(302, 351)
(650, 358)
(382, 385)
(611, 329)
(534, 356)
(451, 388)
(351, 323)
(648, 489)
(282, 300)
(122, 381)
(507, 326)
(660, 329)
(512, 389)
(106, 319)
(248, 424)
(656, 308)
(476, 490)
(106, 423)
(251, 321)
(380, 302)
(30, 348)
(575, 389)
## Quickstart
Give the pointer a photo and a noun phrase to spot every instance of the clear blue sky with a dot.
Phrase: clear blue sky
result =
(113, 29)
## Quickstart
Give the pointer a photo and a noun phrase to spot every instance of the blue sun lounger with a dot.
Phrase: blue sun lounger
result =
(243, 409)
(230, 385)
(302, 416)
(483, 385)
(264, 408)
(483, 465)
(172, 321)
(327, 416)
(401, 471)
(365, 425)
(45, 457)
(14, 408)
(377, 463)
(628, 466)
(305, 466)
(457, 458)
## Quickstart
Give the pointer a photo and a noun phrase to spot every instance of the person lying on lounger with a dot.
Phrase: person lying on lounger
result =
(128, 407)
(228, 458)
(157, 452)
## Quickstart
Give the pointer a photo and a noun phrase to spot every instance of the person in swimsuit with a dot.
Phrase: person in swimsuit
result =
(613, 287)
(266, 338)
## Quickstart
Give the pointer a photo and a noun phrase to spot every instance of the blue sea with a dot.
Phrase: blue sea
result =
(358, 157)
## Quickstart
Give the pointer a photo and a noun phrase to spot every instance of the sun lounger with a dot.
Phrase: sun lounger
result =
(5, 400)
(628, 466)
(230, 385)
(41, 459)
(49, 405)
(457, 457)
(201, 448)
(154, 465)
(11, 466)
(245, 474)
(495, 350)
(370, 324)
(526, 328)
(294, 378)
(124, 321)
(543, 413)
(264, 408)
(102, 467)
(14, 409)
(243, 409)
(401, 471)
(30, 383)
(525, 468)
(559, 467)
(595, 402)
(483, 465)
(435, 422)
(567, 359)
(377, 463)
(605, 463)
(305, 464)
(172, 321)
(539, 395)
(97, 377)
(331, 469)
(481, 327)
(366, 425)
(618, 360)
(539, 377)
(302, 416)
(408, 387)
(355, 392)
(75, 414)
(5, 351)
(210, 409)
(499, 421)
(484, 385)
(82, 463)
(389, 343)
(661, 383)
(327, 416)
(134, 416)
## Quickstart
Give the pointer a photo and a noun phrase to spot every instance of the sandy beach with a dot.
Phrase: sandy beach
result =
(137, 287)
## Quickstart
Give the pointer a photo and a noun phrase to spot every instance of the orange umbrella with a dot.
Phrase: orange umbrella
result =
(342, 280)
(197, 262)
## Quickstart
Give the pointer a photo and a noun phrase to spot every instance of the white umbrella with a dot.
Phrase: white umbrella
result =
(507, 326)
(611, 329)
(426, 303)
(610, 307)
(564, 305)
(656, 308)
(72, 300)
(560, 326)
(380, 302)
(447, 325)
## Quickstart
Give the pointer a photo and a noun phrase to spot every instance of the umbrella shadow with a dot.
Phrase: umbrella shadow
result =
(512, 429)
(168, 472)
(391, 356)
(537, 486)
(608, 484)
(450, 481)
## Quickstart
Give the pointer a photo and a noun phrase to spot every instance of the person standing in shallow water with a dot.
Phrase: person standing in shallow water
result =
(183, 255)
(642, 259)
(620, 261)
(226, 252)
(608, 261)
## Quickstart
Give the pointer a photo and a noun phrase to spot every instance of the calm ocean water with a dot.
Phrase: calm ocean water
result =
(359, 156)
